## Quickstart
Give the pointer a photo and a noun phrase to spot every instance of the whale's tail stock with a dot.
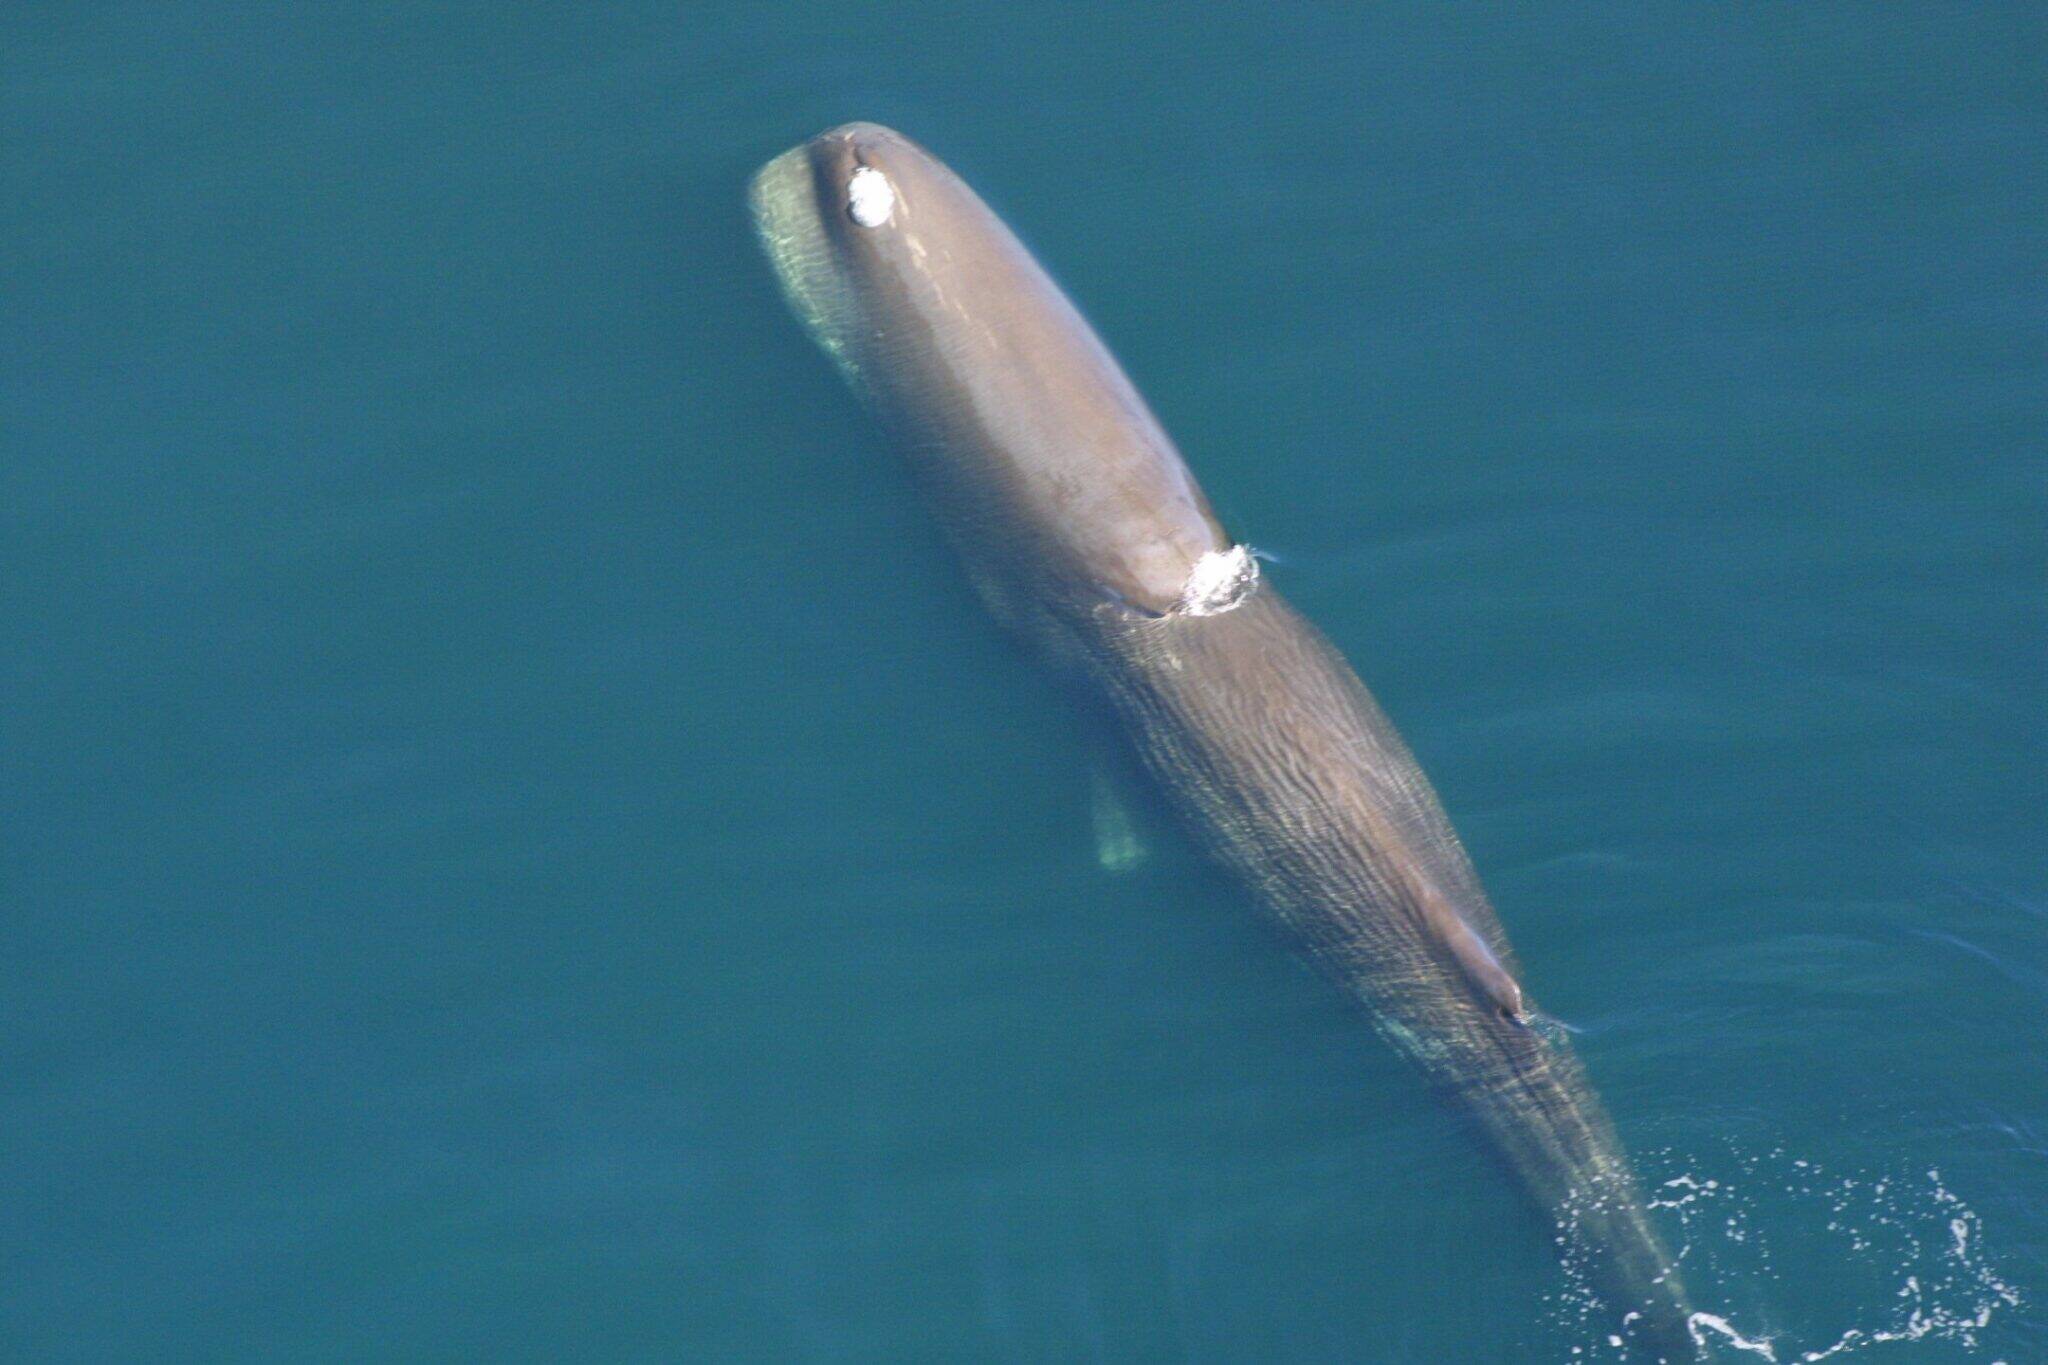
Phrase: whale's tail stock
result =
(1547, 1122)
(1607, 1236)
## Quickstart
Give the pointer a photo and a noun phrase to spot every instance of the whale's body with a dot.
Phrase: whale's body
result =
(1084, 531)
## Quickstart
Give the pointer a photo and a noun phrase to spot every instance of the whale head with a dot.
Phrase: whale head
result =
(1047, 465)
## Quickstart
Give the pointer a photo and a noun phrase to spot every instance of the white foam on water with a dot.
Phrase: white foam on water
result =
(1219, 580)
(1703, 1323)
(1911, 1250)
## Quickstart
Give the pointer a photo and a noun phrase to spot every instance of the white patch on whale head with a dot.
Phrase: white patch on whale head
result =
(1220, 580)
(870, 198)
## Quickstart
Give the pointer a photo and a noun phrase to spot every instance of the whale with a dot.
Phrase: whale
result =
(1084, 532)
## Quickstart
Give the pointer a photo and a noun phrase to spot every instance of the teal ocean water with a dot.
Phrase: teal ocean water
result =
(517, 843)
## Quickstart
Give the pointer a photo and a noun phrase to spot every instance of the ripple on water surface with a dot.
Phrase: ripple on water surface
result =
(1792, 1261)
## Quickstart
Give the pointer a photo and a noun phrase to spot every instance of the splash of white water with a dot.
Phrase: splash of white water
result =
(1908, 1249)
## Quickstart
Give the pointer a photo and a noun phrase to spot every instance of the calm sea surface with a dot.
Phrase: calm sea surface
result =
(517, 843)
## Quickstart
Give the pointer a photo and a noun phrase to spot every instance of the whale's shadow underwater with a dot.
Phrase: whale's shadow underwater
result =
(1085, 533)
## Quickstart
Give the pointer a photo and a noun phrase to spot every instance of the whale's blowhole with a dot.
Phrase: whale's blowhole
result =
(870, 198)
